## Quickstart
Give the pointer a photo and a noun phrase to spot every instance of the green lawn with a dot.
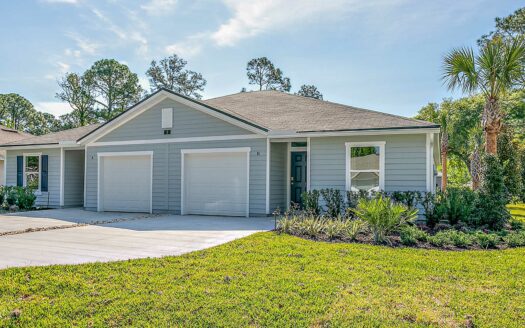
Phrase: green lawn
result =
(276, 280)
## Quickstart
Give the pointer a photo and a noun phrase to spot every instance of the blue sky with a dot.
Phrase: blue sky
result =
(379, 54)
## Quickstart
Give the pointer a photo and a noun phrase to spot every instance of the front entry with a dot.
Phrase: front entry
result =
(297, 176)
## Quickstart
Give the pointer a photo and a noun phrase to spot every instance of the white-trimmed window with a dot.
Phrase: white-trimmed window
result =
(32, 171)
(365, 166)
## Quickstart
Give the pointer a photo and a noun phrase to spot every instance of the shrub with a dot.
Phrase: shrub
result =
(311, 202)
(311, 226)
(410, 235)
(334, 229)
(515, 239)
(440, 239)
(493, 197)
(11, 196)
(428, 201)
(352, 228)
(333, 201)
(25, 198)
(383, 216)
(2, 195)
(486, 240)
(407, 198)
(458, 238)
(457, 205)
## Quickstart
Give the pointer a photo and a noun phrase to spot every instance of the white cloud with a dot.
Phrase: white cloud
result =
(159, 7)
(55, 108)
(189, 47)
(83, 44)
(63, 67)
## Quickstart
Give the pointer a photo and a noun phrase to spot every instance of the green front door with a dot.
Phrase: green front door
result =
(297, 176)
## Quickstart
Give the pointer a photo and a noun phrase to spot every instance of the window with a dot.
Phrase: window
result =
(365, 166)
(32, 166)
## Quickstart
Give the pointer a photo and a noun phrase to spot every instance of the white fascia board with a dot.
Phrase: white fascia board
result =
(176, 140)
(273, 135)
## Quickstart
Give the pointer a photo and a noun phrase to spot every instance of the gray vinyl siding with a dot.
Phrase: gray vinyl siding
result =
(51, 198)
(187, 122)
(278, 160)
(73, 178)
(167, 171)
(405, 158)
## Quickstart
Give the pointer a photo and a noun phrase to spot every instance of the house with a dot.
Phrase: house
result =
(8, 135)
(244, 154)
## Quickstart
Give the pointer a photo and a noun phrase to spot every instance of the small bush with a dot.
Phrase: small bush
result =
(352, 228)
(410, 235)
(428, 201)
(333, 200)
(459, 239)
(311, 202)
(486, 240)
(440, 239)
(383, 216)
(334, 229)
(25, 198)
(515, 239)
(407, 198)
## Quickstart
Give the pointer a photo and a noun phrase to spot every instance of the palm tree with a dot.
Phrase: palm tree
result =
(497, 68)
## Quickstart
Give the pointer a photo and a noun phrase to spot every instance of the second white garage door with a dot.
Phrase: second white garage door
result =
(125, 183)
(215, 183)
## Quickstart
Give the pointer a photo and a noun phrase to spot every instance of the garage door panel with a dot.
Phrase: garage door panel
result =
(126, 183)
(216, 184)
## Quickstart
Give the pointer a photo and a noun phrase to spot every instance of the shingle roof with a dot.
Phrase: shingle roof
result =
(10, 135)
(279, 111)
(54, 138)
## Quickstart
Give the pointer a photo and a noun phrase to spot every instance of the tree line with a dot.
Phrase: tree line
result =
(108, 87)
(490, 119)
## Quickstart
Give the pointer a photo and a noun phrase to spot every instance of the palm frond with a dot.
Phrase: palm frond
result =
(459, 70)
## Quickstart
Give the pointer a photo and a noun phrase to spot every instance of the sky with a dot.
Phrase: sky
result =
(384, 55)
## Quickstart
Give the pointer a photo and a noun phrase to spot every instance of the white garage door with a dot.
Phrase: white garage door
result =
(216, 183)
(125, 183)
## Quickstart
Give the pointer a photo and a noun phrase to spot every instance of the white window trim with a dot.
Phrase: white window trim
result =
(381, 145)
(118, 154)
(24, 182)
(183, 152)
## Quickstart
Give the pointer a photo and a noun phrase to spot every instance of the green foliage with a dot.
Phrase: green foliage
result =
(310, 201)
(512, 26)
(493, 196)
(509, 157)
(310, 91)
(170, 73)
(383, 216)
(451, 238)
(410, 235)
(320, 228)
(515, 239)
(487, 240)
(333, 200)
(115, 87)
(458, 172)
(79, 93)
(22, 197)
(428, 201)
(262, 72)
(407, 198)
(456, 205)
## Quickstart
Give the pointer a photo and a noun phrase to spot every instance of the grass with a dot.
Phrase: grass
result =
(517, 211)
(277, 281)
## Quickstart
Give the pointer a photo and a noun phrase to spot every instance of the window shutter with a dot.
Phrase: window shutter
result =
(43, 182)
(20, 171)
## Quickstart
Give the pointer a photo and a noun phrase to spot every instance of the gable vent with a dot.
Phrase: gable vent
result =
(167, 118)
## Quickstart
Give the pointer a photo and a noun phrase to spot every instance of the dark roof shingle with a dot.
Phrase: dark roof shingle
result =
(10, 135)
(54, 138)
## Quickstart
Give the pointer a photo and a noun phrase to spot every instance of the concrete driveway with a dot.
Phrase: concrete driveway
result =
(129, 236)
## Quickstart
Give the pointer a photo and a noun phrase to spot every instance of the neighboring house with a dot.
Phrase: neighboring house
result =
(8, 135)
(243, 154)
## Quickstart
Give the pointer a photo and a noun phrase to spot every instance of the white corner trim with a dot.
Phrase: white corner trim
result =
(429, 161)
(62, 173)
(183, 152)
(176, 140)
(308, 161)
(268, 147)
(156, 99)
(118, 154)
(85, 175)
(348, 168)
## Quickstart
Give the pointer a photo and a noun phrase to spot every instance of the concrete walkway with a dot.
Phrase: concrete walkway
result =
(154, 236)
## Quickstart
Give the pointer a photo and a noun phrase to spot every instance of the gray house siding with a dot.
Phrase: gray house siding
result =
(405, 158)
(167, 171)
(73, 178)
(51, 198)
(278, 163)
(187, 122)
